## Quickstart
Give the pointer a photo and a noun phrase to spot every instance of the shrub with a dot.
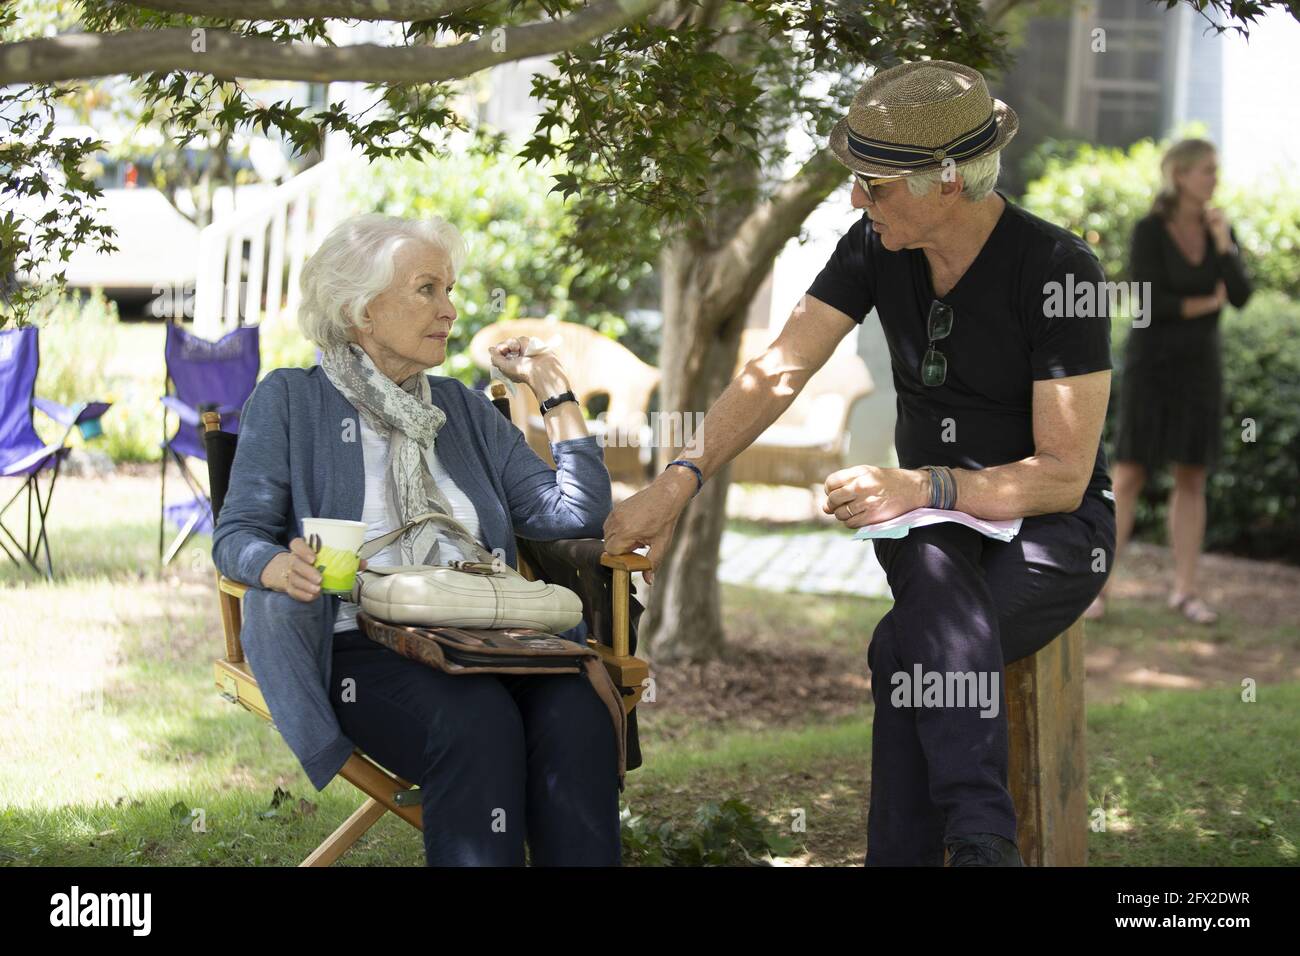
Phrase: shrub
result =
(1100, 192)
(726, 834)
(87, 354)
(1253, 496)
(283, 346)
(514, 230)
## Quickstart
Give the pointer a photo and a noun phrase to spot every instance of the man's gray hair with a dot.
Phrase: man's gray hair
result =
(978, 177)
(356, 263)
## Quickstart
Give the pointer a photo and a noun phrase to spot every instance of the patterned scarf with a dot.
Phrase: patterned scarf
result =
(406, 416)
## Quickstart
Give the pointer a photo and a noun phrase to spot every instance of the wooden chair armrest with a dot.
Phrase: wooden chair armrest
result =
(584, 552)
(625, 562)
(231, 586)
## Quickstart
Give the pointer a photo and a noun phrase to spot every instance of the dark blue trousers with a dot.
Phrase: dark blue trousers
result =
(501, 760)
(965, 604)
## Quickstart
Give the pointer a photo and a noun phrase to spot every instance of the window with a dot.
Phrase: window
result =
(1120, 93)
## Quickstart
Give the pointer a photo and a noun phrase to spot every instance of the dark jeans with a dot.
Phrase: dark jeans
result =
(500, 758)
(964, 603)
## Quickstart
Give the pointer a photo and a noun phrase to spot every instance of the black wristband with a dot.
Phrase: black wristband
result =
(699, 475)
(558, 400)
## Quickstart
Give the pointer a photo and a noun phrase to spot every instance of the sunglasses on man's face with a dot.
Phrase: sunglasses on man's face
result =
(866, 185)
(934, 367)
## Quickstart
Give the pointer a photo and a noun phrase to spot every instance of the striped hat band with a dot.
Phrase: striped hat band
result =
(964, 147)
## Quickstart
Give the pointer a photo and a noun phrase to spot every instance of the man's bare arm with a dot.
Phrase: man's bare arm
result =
(1068, 418)
(767, 385)
(753, 401)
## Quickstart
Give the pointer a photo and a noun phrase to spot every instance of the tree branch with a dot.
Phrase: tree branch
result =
(78, 56)
(746, 258)
(309, 9)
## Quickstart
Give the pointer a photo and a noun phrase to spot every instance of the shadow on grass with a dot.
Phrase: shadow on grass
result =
(1196, 778)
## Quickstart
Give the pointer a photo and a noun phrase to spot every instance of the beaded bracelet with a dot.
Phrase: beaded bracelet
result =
(943, 487)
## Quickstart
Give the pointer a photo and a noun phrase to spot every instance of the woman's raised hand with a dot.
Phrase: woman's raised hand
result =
(1217, 222)
(521, 359)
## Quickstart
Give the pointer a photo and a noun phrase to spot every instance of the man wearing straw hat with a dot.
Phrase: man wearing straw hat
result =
(1002, 387)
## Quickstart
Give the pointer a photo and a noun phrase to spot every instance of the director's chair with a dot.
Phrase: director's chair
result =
(23, 454)
(603, 581)
(201, 376)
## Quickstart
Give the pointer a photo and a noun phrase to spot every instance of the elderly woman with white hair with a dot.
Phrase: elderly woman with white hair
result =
(368, 435)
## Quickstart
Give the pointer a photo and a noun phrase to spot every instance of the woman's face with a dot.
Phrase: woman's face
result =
(1198, 181)
(411, 319)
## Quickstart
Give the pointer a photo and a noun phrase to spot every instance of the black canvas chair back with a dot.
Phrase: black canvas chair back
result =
(221, 458)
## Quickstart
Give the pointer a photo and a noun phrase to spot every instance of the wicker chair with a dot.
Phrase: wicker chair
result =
(810, 439)
(597, 365)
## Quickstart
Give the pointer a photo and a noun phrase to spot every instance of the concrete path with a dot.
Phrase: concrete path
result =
(813, 562)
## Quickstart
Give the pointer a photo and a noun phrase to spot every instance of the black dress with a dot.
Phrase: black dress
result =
(1171, 385)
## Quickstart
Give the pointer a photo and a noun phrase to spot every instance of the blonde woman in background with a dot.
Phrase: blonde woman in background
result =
(1171, 390)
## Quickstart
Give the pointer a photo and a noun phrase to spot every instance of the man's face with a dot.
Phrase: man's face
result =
(904, 221)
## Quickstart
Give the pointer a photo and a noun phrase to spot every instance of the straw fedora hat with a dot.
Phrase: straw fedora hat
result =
(912, 117)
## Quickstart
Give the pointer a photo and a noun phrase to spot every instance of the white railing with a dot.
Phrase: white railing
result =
(280, 233)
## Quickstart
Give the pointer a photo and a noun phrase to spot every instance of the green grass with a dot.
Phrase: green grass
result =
(1196, 779)
(1135, 626)
(828, 622)
(114, 732)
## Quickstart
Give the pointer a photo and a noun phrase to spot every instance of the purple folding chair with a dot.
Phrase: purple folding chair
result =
(22, 453)
(201, 376)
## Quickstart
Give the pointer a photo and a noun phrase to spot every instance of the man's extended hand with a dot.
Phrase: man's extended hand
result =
(649, 517)
(865, 494)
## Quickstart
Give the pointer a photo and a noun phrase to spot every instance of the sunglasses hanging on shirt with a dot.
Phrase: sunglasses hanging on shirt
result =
(934, 367)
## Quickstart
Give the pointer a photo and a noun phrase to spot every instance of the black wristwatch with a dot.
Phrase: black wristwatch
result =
(558, 400)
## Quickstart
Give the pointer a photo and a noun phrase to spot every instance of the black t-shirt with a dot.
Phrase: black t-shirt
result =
(1006, 335)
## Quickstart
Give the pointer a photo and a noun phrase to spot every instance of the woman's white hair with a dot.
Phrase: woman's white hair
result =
(355, 263)
(978, 177)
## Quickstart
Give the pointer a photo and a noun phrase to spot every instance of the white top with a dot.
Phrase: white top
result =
(380, 517)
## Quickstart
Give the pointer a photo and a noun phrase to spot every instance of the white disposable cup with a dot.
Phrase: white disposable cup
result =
(337, 534)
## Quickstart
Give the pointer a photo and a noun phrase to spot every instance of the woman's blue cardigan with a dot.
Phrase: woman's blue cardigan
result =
(299, 456)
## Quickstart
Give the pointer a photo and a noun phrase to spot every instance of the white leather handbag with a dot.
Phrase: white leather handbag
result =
(481, 594)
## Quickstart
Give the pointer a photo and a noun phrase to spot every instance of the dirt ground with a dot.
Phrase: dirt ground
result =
(763, 684)
(758, 687)
(1259, 610)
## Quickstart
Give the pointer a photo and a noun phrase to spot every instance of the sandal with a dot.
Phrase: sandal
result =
(1193, 608)
(1096, 610)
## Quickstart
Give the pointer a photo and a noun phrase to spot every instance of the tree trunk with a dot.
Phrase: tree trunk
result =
(697, 359)
(709, 276)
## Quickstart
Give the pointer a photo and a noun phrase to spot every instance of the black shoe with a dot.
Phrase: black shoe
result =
(983, 849)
